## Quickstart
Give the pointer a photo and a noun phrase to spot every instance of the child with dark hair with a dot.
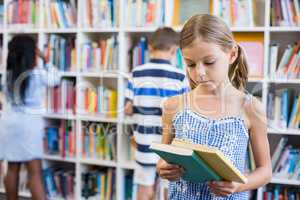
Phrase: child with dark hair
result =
(22, 126)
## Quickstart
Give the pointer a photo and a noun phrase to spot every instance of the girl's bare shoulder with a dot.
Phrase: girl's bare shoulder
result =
(174, 104)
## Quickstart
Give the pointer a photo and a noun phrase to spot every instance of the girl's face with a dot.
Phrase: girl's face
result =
(207, 64)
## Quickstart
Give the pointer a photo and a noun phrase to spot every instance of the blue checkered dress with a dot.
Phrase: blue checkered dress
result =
(229, 134)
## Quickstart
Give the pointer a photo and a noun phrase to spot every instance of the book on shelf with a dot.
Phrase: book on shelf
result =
(202, 163)
(130, 187)
(253, 47)
(60, 14)
(286, 161)
(99, 100)
(100, 13)
(59, 183)
(281, 192)
(234, 12)
(285, 13)
(61, 99)
(288, 65)
(283, 109)
(1, 14)
(98, 184)
(101, 55)
(99, 141)
(61, 52)
(60, 139)
(23, 12)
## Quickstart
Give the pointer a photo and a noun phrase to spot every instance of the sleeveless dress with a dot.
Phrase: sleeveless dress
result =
(228, 134)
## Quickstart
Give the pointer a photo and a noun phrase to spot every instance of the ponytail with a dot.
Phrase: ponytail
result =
(238, 70)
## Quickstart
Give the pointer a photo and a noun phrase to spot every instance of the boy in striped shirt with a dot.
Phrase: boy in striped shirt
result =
(152, 83)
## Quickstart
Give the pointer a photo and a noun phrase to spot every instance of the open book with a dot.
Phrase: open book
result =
(201, 163)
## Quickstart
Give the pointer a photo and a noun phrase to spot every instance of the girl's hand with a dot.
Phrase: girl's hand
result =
(169, 171)
(224, 188)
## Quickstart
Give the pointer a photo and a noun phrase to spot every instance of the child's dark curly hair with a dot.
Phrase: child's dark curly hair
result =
(20, 59)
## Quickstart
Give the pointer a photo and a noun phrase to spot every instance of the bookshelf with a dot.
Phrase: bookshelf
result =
(116, 77)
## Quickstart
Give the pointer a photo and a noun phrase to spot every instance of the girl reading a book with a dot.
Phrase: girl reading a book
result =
(216, 112)
(21, 125)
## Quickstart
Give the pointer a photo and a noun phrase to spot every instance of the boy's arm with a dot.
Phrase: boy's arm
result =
(128, 107)
(129, 98)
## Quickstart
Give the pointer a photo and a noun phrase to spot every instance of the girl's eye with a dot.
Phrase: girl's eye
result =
(209, 63)
(191, 65)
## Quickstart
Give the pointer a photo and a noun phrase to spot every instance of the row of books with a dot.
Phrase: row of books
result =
(61, 52)
(98, 100)
(100, 13)
(234, 12)
(60, 139)
(99, 141)
(285, 13)
(279, 192)
(103, 13)
(147, 13)
(61, 99)
(59, 183)
(286, 161)
(98, 184)
(100, 55)
(283, 109)
(288, 66)
(23, 12)
(60, 14)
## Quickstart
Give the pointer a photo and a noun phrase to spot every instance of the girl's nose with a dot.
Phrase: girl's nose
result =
(201, 71)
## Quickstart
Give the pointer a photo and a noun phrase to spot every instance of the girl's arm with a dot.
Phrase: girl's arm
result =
(164, 169)
(260, 145)
(50, 76)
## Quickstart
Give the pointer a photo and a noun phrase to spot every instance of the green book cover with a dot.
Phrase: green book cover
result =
(196, 170)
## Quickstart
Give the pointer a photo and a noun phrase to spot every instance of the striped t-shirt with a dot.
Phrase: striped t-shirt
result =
(152, 83)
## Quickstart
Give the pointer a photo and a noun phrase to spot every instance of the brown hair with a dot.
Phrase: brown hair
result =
(212, 29)
(163, 39)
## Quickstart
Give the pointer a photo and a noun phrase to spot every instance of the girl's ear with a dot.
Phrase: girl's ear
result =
(234, 54)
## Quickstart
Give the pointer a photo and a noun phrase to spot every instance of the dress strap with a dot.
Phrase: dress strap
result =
(186, 104)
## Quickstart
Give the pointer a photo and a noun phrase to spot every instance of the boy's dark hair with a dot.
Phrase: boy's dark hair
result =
(163, 39)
